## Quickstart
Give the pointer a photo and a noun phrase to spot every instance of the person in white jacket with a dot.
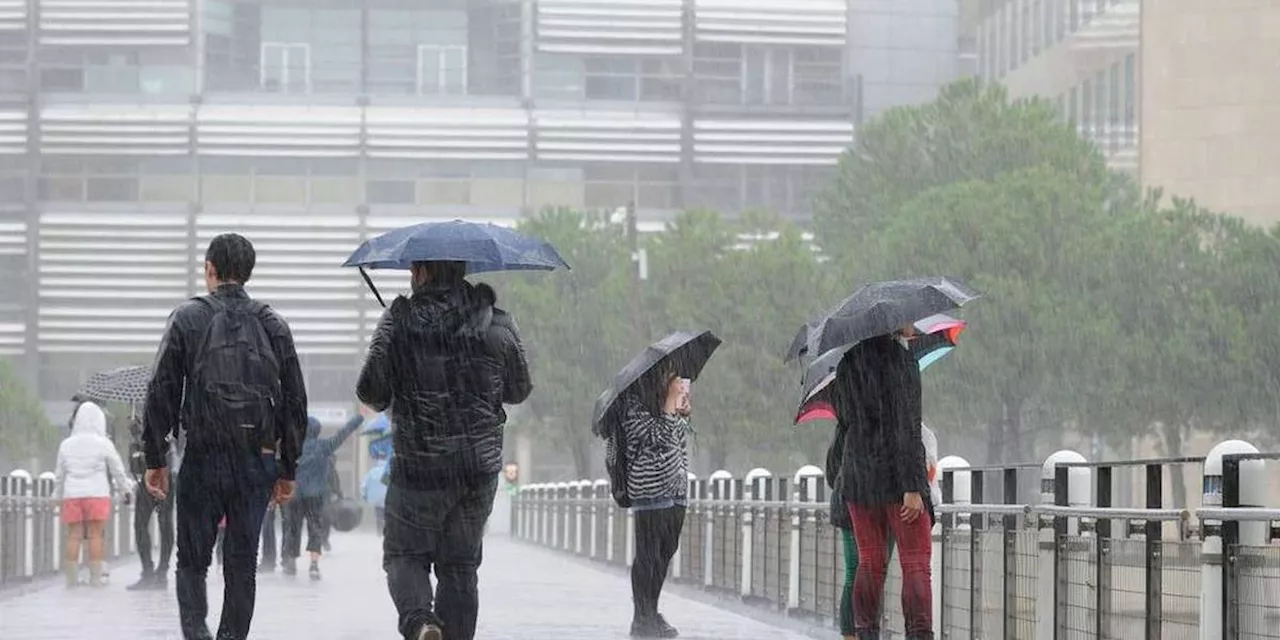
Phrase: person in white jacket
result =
(88, 468)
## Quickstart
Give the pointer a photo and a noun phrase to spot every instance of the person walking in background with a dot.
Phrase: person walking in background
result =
(884, 479)
(270, 542)
(444, 360)
(154, 575)
(227, 366)
(334, 496)
(87, 466)
(314, 471)
(373, 490)
(655, 428)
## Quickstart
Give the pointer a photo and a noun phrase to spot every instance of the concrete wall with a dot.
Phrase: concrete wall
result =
(1211, 103)
(903, 49)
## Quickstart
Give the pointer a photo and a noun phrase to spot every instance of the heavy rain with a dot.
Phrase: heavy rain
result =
(588, 319)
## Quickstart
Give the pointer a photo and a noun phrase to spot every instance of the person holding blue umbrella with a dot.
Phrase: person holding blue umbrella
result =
(444, 360)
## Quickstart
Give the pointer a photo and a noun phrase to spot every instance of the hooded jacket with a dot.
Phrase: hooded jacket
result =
(443, 362)
(316, 462)
(87, 458)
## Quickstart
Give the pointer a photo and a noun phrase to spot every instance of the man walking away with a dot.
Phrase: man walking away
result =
(244, 412)
(314, 470)
(444, 360)
(877, 398)
(145, 505)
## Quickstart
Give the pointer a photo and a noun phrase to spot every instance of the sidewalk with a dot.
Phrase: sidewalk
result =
(526, 594)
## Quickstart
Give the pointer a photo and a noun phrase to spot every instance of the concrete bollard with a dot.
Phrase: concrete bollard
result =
(754, 486)
(24, 490)
(47, 526)
(1078, 495)
(806, 491)
(1252, 492)
(599, 494)
(961, 494)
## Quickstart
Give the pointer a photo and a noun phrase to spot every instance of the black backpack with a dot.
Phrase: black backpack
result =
(235, 383)
(616, 463)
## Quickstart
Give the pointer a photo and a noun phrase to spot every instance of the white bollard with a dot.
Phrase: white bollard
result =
(803, 493)
(751, 492)
(961, 494)
(715, 488)
(1253, 488)
(1078, 495)
(599, 493)
(25, 490)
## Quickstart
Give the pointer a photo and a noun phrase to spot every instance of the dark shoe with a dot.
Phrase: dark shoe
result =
(429, 632)
(289, 566)
(314, 571)
(869, 635)
(653, 627)
(145, 583)
(267, 566)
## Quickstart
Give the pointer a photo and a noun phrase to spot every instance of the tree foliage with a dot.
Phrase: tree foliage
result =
(25, 430)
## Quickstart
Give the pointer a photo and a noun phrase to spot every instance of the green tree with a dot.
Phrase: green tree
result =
(972, 132)
(25, 430)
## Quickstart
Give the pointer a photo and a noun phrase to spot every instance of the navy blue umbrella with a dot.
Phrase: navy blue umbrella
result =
(483, 247)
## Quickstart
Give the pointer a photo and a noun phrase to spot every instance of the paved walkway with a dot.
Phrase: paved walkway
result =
(526, 593)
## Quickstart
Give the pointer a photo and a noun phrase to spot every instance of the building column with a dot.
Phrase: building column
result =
(30, 369)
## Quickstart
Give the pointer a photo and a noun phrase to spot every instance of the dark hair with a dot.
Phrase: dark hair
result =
(444, 271)
(232, 257)
(651, 388)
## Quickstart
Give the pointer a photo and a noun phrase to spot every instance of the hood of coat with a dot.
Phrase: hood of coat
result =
(313, 428)
(89, 420)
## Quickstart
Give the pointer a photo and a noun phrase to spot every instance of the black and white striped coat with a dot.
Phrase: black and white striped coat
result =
(657, 455)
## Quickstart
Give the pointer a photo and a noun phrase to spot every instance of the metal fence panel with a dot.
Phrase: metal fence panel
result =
(1026, 583)
(1077, 588)
(1180, 593)
(1256, 608)
(955, 583)
(1126, 598)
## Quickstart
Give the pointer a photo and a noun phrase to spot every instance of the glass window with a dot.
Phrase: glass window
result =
(68, 189)
(442, 70)
(1130, 98)
(1073, 102)
(559, 77)
(1100, 115)
(444, 191)
(120, 189)
(286, 67)
(390, 191)
(1025, 32)
(1036, 27)
(718, 68)
(315, 49)
(612, 78)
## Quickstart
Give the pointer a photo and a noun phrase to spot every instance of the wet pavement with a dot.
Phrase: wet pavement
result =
(526, 593)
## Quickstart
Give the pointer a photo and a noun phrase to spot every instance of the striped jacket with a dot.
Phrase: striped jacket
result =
(657, 455)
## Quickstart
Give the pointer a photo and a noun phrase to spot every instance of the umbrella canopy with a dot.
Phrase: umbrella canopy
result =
(941, 334)
(689, 351)
(878, 309)
(122, 384)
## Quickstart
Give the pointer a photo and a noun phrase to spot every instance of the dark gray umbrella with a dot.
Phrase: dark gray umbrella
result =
(689, 351)
(879, 309)
(122, 384)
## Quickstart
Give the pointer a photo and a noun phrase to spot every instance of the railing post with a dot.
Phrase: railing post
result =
(1055, 488)
(1153, 565)
(977, 524)
(579, 499)
(1060, 531)
(1101, 551)
(805, 493)
(753, 495)
(1217, 588)
(1009, 557)
(599, 493)
(957, 489)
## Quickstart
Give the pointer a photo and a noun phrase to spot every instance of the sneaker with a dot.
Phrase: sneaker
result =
(430, 632)
(289, 566)
(267, 567)
(314, 571)
(655, 627)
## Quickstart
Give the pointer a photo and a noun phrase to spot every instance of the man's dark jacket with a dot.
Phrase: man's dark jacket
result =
(444, 361)
(178, 352)
(877, 401)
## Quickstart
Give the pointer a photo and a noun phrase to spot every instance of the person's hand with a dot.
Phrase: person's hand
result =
(365, 410)
(674, 398)
(283, 491)
(686, 406)
(157, 481)
(912, 507)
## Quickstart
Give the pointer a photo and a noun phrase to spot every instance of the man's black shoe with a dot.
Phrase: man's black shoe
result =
(653, 627)
(145, 583)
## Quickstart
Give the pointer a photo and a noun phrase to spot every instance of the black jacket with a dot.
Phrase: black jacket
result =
(877, 400)
(444, 361)
(175, 360)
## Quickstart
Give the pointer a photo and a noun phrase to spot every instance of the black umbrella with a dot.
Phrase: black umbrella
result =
(122, 384)
(689, 351)
(879, 309)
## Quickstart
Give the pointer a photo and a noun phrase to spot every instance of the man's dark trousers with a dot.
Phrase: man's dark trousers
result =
(146, 506)
(441, 530)
(217, 483)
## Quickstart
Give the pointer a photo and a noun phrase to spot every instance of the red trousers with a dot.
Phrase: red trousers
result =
(871, 524)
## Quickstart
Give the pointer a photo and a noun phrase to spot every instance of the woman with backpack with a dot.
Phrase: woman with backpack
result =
(655, 429)
(88, 467)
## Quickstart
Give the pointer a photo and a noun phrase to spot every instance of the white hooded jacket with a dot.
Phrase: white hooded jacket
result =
(931, 462)
(87, 457)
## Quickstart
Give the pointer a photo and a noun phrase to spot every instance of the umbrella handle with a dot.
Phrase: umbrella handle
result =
(369, 281)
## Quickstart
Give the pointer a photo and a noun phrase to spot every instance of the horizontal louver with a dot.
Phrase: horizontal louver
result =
(595, 136)
(13, 15)
(447, 134)
(279, 131)
(130, 23)
(13, 131)
(610, 27)
(298, 273)
(116, 130)
(783, 142)
(13, 302)
(108, 281)
(780, 22)
(1115, 27)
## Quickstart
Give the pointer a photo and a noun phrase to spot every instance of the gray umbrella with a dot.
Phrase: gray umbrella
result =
(688, 350)
(122, 384)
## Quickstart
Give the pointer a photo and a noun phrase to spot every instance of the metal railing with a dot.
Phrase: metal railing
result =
(32, 535)
(1072, 565)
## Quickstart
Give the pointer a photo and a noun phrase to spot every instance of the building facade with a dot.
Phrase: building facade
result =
(1181, 94)
(133, 132)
